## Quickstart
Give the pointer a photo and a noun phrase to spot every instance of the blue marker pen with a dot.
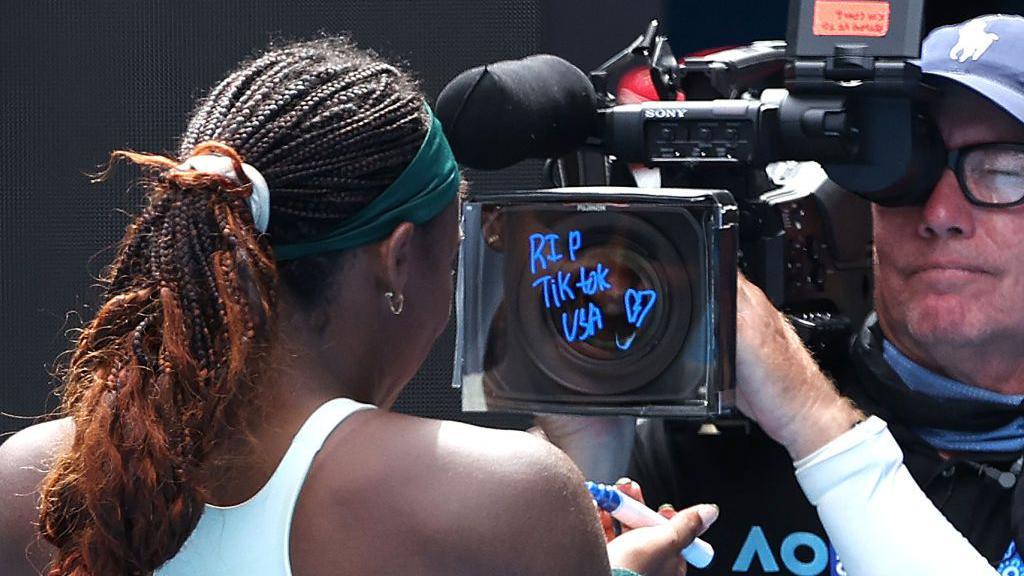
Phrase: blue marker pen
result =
(636, 515)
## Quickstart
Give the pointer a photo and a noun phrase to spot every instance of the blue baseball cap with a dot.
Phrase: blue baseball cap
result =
(985, 54)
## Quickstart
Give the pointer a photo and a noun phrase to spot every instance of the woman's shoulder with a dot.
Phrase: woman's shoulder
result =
(45, 436)
(24, 460)
(26, 456)
(441, 447)
(464, 491)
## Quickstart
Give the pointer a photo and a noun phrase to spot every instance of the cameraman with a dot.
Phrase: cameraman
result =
(938, 368)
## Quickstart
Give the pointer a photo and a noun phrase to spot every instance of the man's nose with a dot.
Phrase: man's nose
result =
(947, 213)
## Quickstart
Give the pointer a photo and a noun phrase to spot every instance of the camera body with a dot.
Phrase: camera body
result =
(614, 292)
(600, 299)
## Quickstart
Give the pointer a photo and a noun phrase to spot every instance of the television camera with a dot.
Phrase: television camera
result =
(614, 291)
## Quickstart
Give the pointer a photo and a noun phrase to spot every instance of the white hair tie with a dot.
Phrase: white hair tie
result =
(259, 200)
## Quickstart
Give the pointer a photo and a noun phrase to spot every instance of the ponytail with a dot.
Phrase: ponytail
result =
(167, 366)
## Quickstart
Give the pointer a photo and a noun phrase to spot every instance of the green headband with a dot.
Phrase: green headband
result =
(427, 185)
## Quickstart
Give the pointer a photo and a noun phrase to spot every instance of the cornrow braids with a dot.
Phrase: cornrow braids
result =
(328, 126)
(172, 360)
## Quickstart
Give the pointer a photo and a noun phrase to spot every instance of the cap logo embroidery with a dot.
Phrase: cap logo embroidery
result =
(974, 41)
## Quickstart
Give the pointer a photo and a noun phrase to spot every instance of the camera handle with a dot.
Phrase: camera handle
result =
(654, 49)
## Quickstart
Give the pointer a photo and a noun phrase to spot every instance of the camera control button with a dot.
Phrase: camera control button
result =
(666, 134)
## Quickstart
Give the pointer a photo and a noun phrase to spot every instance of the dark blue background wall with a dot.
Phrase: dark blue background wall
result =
(79, 79)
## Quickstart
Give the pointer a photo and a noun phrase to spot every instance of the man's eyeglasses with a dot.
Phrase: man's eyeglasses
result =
(990, 175)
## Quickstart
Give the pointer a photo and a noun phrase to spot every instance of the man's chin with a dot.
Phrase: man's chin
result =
(944, 321)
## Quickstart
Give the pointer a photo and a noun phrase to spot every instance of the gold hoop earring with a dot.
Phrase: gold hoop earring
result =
(396, 302)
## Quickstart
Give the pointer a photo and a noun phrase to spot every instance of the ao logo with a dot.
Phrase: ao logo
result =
(756, 547)
(822, 555)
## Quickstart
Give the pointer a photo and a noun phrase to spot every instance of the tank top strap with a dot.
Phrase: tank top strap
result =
(288, 479)
(252, 538)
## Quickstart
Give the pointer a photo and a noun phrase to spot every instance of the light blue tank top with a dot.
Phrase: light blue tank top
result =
(251, 538)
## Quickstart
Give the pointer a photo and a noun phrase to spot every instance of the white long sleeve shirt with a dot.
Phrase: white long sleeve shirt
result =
(876, 516)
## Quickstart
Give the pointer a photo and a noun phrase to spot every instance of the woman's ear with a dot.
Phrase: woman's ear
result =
(396, 257)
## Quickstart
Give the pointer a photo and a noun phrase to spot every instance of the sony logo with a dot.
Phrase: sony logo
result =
(664, 112)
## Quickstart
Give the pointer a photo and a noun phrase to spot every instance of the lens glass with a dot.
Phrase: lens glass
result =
(616, 293)
(601, 301)
(994, 174)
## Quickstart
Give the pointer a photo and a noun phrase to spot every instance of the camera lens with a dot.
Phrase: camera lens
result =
(628, 272)
(600, 301)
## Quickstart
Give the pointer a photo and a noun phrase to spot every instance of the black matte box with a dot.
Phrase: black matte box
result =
(598, 300)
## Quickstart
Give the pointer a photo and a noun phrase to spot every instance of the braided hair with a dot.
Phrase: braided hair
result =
(172, 360)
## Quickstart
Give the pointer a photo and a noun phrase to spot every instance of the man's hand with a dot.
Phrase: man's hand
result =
(600, 446)
(778, 383)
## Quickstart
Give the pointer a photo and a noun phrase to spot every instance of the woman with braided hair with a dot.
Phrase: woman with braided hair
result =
(225, 412)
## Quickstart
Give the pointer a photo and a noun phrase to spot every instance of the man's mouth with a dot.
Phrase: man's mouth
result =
(951, 268)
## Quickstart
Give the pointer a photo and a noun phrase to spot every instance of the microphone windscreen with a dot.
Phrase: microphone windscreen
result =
(499, 114)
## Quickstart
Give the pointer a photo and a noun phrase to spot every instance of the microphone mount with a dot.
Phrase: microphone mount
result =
(654, 50)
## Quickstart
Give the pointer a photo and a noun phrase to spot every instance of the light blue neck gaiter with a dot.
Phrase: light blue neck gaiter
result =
(1008, 438)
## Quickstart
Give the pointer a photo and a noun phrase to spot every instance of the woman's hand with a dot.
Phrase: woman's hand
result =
(778, 383)
(655, 550)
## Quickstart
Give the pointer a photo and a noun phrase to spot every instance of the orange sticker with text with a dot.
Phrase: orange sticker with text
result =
(851, 18)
